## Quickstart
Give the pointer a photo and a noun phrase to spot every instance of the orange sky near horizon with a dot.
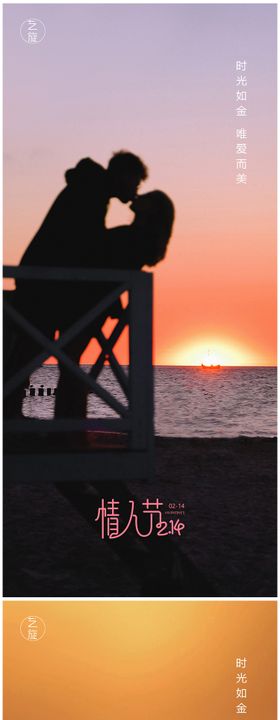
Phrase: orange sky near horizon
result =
(204, 297)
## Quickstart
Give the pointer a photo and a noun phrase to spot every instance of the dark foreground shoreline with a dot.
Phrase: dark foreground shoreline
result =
(52, 546)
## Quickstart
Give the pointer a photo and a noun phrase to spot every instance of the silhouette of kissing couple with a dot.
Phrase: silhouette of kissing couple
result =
(73, 234)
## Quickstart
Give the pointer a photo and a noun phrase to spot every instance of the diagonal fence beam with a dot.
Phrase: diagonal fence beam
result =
(66, 337)
(107, 345)
(119, 374)
(53, 348)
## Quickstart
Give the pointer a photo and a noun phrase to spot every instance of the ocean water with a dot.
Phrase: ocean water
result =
(189, 401)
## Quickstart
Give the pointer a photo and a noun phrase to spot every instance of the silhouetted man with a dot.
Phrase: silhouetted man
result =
(72, 230)
(71, 235)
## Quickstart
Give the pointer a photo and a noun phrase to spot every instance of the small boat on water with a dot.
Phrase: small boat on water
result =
(210, 362)
(210, 367)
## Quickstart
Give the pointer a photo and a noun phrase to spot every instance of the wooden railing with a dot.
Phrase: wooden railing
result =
(136, 416)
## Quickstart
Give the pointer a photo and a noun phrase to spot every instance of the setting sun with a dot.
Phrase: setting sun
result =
(213, 351)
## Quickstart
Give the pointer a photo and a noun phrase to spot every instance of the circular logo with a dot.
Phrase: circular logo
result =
(32, 628)
(32, 31)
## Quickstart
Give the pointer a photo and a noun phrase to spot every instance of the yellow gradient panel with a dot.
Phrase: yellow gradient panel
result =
(122, 660)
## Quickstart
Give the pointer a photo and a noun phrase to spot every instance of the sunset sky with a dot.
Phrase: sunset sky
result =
(159, 80)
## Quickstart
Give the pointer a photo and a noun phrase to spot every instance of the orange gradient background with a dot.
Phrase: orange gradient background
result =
(161, 660)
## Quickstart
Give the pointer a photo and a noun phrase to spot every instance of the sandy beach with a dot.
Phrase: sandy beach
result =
(53, 547)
